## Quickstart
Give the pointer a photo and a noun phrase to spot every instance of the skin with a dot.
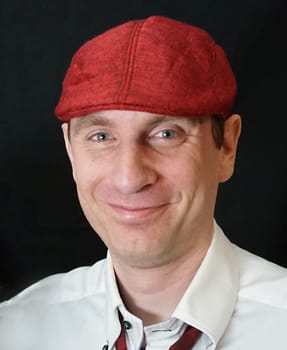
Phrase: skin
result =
(147, 185)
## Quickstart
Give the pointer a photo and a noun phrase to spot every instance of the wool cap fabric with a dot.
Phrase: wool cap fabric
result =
(157, 65)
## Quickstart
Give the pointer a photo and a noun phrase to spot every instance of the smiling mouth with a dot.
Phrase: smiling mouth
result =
(136, 214)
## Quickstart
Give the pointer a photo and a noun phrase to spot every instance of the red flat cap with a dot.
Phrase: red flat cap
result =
(157, 65)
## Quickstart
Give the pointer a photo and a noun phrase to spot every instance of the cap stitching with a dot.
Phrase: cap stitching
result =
(214, 62)
(127, 77)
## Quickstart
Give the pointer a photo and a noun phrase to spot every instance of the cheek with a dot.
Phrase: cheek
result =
(85, 172)
(182, 177)
(198, 173)
(93, 179)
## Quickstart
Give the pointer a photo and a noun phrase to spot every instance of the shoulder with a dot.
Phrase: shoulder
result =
(261, 281)
(261, 305)
(62, 287)
(42, 302)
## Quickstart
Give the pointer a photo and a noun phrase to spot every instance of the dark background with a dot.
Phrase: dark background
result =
(42, 229)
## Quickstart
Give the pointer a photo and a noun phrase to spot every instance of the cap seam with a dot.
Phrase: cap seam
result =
(214, 83)
(128, 72)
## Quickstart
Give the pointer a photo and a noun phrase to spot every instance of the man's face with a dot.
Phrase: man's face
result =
(147, 183)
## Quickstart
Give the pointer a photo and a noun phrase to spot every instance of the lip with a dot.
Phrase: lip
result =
(135, 214)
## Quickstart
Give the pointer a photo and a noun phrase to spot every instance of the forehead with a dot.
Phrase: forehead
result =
(125, 118)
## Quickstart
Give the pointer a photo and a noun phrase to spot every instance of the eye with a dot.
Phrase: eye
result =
(166, 134)
(101, 137)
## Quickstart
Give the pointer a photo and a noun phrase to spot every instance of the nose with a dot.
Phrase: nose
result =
(133, 168)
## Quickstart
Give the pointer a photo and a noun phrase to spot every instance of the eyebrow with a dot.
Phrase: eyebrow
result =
(90, 120)
(97, 119)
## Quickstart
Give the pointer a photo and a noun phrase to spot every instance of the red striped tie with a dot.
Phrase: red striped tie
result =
(185, 342)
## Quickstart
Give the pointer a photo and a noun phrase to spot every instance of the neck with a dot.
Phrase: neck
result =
(152, 294)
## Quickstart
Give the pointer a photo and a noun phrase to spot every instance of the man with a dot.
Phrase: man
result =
(147, 122)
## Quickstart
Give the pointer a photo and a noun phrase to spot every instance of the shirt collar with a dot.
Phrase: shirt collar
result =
(207, 304)
(209, 301)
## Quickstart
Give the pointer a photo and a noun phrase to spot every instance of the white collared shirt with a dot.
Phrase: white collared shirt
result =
(237, 300)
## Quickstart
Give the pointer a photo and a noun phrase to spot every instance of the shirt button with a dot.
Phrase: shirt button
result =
(127, 325)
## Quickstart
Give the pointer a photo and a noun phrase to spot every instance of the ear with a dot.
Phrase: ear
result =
(65, 130)
(232, 129)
